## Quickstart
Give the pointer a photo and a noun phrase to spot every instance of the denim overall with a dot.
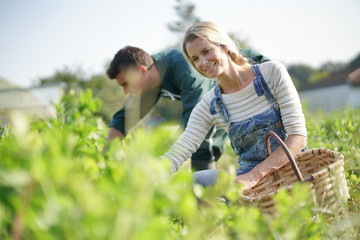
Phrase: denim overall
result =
(248, 136)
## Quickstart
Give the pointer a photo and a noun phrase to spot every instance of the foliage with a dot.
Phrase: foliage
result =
(185, 11)
(339, 131)
(332, 67)
(355, 61)
(108, 91)
(70, 78)
(304, 74)
(56, 183)
(241, 43)
(1, 130)
(186, 14)
(318, 76)
(300, 73)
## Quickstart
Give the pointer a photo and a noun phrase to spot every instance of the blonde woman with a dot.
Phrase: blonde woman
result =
(248, 101)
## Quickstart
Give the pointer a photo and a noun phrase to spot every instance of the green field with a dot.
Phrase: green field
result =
(56, 183)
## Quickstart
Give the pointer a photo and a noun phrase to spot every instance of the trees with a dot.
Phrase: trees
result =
(332, 67)
(185, 11)
(186, 14)
(304, 74)
(70, 78)
(106, 90)
(300, 73)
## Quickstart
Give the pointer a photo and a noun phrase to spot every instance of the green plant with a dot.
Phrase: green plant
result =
(56, 183)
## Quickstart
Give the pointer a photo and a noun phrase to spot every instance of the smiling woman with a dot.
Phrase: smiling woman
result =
(248, 102)
(206, 41)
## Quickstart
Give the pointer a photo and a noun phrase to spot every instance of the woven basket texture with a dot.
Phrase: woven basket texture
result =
(328, 184)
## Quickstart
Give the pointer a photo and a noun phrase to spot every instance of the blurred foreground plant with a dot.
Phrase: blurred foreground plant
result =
(56, 183)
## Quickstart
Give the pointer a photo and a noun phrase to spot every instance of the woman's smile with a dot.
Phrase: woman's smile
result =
(209, 69)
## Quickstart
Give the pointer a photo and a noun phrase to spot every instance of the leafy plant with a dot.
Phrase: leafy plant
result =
(56, 183)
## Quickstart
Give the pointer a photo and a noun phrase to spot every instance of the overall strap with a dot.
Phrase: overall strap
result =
(260, 85)
(218, 100)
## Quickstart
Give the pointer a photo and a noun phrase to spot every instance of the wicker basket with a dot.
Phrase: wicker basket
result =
(322, 168)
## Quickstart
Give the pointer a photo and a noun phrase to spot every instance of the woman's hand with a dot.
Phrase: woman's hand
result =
(247, 180)
(275, 161)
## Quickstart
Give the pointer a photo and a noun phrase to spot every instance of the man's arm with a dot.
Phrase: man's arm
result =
(114, 133)
(135, 110)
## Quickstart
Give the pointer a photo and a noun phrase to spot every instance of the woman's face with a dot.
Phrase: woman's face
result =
(209, 59)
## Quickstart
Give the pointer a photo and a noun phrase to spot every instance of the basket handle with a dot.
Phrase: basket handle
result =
(286, 150)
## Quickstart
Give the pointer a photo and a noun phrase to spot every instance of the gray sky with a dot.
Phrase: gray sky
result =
(41, 36)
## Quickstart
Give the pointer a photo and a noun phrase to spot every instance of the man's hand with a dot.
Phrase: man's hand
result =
(113, 133)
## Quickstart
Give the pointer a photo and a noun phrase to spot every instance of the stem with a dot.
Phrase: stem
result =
(18, 219)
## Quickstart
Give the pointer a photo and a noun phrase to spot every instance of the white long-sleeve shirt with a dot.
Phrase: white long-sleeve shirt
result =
(241, 105)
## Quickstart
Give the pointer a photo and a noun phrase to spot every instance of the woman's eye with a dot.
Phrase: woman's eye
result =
(194, 59)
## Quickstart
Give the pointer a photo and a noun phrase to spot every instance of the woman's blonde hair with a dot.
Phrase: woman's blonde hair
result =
(214, 34)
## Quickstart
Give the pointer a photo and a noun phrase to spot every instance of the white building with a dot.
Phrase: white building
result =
(335, 92)
(33, 101)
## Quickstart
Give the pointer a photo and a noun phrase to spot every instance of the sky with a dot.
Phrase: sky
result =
(38, 37)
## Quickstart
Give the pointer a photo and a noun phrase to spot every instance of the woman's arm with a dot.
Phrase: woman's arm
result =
(276, 160)
(198, 126)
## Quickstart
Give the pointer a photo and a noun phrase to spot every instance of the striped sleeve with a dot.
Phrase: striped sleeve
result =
(197, 128)
(287, 97)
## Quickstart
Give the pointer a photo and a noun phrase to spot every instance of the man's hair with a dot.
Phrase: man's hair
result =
(128, 57)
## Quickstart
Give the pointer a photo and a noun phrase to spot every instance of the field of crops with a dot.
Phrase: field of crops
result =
(56, 183)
